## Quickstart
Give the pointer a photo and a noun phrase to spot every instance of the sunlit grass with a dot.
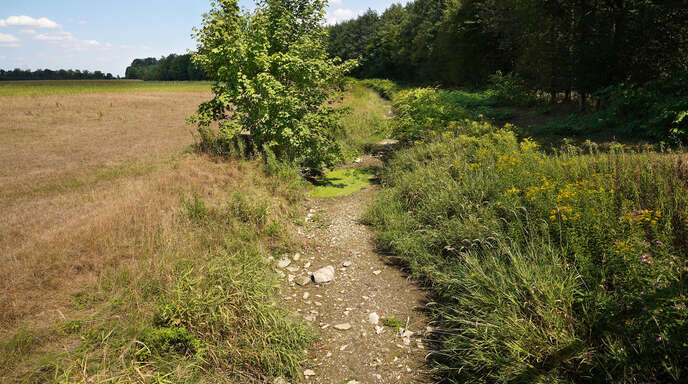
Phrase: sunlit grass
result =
(343, 182)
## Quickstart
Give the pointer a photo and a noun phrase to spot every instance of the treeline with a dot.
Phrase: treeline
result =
(47, 74)
(559, 47)
(170, 68)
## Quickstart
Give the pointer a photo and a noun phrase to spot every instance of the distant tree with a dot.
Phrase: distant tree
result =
(171, 68)
(47, 74)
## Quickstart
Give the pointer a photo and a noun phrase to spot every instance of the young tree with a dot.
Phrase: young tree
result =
(273, 79)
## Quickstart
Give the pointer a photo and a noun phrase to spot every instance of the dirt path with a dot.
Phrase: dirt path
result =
(352, 347)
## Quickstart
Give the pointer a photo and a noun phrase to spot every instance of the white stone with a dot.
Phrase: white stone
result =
(324, 275)
(347, 264)
(308, 373)
(379, 329)
(297, 256)
(283, 263)
(306, 294)
(373, 318)
(343, 327)
(377, 272)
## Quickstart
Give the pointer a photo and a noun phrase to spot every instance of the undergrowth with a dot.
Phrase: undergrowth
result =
(558, 268)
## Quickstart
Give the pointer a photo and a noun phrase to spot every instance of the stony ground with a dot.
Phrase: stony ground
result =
(355, 292)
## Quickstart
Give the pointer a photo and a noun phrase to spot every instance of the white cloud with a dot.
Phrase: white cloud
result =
(335, 2)
(56, 36)
(67, 41)
(28, 21)
(5, 38)
(339, 15)
(28, 31)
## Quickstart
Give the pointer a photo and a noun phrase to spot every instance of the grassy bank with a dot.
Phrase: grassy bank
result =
(72, 87)
(568, 267)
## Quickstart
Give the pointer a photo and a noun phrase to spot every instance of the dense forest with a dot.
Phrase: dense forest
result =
(171, 68)
(558, 47)
(47, 74)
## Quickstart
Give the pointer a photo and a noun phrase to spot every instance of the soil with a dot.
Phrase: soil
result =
(367, 352)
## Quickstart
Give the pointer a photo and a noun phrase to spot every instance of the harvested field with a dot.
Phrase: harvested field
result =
(81, 176)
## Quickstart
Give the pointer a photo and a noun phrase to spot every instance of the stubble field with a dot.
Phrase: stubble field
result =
(72, 169)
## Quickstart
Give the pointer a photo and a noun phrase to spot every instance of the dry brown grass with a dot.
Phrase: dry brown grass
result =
(82, 192)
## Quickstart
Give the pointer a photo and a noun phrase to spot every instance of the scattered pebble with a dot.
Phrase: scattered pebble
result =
(377, 272)
(373, 318)
(379, 329)
(297, 256)
(308, 373)
(343, 327)
(307, 265)
(306, 294)
(283, 263)
(303, 281)
(347, 264)
(324, 275)
(293, 269)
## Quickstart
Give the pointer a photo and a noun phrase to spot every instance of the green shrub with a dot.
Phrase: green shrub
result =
(509, 89)
(558, 268)
(273, 78)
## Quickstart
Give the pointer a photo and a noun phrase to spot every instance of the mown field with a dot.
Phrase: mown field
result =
(125, 256)
(69, 87)
(557, 266)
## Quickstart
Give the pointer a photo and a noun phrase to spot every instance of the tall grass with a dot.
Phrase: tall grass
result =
(568, 267)
(365, 122)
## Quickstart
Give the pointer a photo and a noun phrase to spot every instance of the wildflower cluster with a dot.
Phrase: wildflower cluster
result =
(564, 212)
(584, 187)
(641, 216)
(545, 187)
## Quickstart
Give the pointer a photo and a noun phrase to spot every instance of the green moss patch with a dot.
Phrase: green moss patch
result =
(343, 182)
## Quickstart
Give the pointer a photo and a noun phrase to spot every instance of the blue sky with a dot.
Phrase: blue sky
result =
(100, 35)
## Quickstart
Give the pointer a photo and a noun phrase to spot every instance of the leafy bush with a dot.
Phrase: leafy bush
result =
(559, 268)
(655, 111)
(273, 79)
(509, 89)
(386, 88)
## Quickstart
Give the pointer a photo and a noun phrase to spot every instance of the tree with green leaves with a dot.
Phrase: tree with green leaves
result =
(273, 80)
